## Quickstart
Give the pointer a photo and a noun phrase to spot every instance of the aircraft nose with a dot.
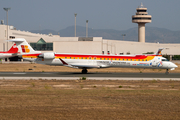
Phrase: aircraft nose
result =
(175, 65)
(169, 65)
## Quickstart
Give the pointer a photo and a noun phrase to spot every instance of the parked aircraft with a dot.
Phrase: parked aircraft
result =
(88, 61)
(11, 53)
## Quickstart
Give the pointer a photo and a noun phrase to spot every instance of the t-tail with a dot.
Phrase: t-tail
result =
(23, 46)
(159, 51)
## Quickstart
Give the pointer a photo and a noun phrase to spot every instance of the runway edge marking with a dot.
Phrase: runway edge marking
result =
(78, 78)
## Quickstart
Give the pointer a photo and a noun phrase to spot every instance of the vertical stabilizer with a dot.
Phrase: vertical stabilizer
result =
(23, 46)
(159, 51)
(13, 49)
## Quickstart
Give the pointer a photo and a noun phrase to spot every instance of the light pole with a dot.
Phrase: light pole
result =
(86, 28)
(102, 46)
(123, 36)
(75, 14)
(7, 9)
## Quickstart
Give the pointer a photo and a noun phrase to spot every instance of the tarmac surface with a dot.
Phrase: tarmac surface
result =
(98, 76)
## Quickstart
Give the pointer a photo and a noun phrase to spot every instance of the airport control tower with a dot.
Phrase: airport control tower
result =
(141, 18)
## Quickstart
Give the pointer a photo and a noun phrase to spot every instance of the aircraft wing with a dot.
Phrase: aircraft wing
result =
(7, 55)
(85, 66)
(15, 54)
(79, 65)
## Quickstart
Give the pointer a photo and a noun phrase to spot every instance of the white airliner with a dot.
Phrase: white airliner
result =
(88, 61)
(11, 53)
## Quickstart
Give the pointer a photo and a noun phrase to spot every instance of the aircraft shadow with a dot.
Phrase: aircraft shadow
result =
(79, 73)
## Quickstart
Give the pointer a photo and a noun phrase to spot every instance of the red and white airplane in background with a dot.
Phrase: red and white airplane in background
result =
(88, 61)
(11, 53)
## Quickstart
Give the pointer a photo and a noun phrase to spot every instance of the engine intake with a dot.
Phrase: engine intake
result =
(47, 55)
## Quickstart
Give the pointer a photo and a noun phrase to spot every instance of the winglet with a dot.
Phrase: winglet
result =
(64, 63)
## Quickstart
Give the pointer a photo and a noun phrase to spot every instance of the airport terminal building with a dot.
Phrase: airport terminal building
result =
(89, 45)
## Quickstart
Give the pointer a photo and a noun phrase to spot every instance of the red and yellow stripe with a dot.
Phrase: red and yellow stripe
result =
(97, 57)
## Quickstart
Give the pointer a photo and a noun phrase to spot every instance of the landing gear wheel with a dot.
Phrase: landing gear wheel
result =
(84, 71)
(167, 71)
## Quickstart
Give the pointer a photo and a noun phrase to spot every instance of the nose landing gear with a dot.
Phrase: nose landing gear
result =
(167, 71)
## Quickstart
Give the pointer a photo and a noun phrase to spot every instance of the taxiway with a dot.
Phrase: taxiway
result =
(98, 76)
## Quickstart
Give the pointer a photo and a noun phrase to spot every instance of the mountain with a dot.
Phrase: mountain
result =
(162, 35)
(153, 34)
(46, 31)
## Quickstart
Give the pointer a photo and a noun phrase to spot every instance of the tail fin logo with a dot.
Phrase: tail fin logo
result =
(14, 46)
(25, 48)
(159, 52)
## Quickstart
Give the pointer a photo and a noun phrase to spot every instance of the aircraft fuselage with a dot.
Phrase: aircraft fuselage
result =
(104, 61)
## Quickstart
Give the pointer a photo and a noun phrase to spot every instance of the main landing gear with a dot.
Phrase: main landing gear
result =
(84, 71)
(167, 71)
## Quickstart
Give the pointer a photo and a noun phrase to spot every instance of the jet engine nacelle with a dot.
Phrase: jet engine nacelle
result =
(47, 55)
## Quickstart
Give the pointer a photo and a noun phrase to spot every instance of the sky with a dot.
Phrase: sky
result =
(101, 14)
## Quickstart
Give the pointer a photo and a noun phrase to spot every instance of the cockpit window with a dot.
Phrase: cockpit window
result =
(165, 60)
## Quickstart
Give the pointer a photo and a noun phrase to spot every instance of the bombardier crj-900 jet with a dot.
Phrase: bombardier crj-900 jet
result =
(88, 61)
(11, 53)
